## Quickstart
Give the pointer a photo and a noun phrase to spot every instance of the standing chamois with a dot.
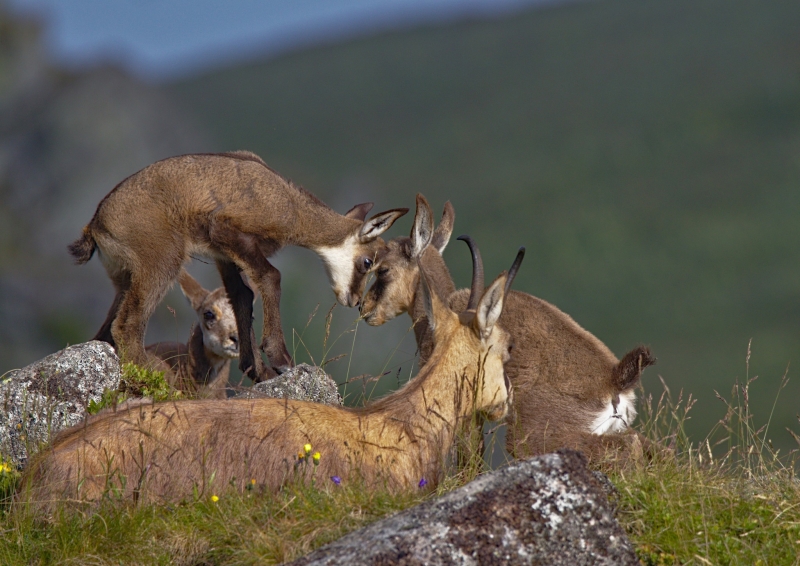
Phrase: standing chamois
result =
(234, 209)
(569, 388)
(170, 450)
(201, 367)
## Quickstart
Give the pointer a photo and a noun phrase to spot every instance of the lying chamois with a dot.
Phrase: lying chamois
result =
(171, 450)
(570, 390)
(234, 209)
(201, 367)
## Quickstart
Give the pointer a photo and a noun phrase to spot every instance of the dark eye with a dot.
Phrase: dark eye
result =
(367, 263)
(383, 271)
(208, 315)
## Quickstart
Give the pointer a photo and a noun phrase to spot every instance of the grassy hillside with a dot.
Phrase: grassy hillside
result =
(647, 154)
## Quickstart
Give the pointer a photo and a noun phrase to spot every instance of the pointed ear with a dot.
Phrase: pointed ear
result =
(435, 308)
(192, 289)
(628, 372)
(378, 224)
(490, 307)
(359, 211)
(444, 230)
(422, 231)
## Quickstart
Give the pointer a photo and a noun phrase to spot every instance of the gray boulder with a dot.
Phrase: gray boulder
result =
(302, 382)
(40, 399)
(546, 510)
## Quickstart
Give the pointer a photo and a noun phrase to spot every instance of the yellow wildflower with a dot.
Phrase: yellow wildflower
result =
(316, 457)
(307, 448)
(253, 481)
(214, 498)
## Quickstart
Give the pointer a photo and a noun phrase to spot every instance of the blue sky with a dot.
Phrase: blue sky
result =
(163, 39)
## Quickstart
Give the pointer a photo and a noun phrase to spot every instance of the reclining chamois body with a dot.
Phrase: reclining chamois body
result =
(170, 450)
(569, 388)
(232, 208)
(201, 368)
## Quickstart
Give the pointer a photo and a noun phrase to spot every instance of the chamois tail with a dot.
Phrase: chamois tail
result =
(83, 248)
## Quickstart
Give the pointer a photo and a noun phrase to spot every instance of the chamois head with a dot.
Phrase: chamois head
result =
(349, 262)
(397, 272)
(215, 317)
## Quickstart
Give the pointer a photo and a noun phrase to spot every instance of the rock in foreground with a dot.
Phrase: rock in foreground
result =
(40, 399)
(546, 510)
(302, 382)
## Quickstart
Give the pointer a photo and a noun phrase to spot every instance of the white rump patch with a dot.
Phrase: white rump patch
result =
(609, 420)
(339, 262)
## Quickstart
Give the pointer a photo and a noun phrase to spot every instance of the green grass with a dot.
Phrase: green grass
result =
(677, 513)
(248, 528)
(135, 381)
(729, 499)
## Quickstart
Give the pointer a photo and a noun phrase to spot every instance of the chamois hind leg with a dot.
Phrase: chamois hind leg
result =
(137, 305)
(122, 282)
(244, 250)
(241, 298)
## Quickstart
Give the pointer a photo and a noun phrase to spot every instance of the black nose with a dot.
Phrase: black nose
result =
(235, 340)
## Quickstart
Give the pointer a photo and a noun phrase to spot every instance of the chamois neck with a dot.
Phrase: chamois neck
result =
(318, 226)
(442, 283)
(431, 407)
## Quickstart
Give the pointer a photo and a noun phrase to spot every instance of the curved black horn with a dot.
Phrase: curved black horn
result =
(512, 272)
(476, 290)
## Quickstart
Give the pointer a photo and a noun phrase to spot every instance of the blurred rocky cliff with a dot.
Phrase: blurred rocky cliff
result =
(65, 141)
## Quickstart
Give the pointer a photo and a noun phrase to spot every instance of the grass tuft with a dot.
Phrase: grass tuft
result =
(728, 499)
(135, 381)
(236, 528)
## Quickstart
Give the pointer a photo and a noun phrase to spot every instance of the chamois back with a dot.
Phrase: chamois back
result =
(233, 209)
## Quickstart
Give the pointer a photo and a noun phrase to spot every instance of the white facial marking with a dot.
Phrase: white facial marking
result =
(609, 420)
(339, 262)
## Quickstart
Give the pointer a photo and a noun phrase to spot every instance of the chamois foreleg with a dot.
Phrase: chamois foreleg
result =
(272, 343)
(241, 298)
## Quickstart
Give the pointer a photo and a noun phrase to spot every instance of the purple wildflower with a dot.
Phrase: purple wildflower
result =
(423, 482)
(336, 479)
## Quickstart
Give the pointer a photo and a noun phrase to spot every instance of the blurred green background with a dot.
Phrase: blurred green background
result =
(646, 153)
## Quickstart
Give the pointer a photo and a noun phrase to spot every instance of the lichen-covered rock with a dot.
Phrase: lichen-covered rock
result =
(40, 399)
(546, 510)
(302, 382)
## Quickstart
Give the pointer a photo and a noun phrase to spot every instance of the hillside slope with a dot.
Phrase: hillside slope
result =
(646, 153)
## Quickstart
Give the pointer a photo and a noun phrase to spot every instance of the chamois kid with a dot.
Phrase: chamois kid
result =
(201, 368)
(170, 450)
(569, 388)
(234, 209)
